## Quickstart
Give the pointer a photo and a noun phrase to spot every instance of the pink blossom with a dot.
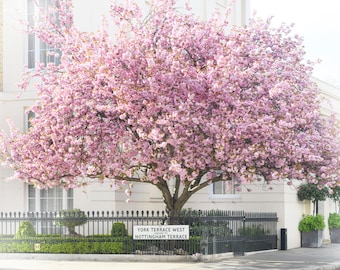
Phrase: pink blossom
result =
(178, 103)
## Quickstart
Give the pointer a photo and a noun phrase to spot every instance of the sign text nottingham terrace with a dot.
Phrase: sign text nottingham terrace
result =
(161, 232)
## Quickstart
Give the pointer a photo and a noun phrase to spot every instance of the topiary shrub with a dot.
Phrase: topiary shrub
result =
(70, 219)
(313, 193)
(312, 223)
(25, 230)
(118, 230)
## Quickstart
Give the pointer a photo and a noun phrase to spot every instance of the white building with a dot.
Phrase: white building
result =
(17, 196)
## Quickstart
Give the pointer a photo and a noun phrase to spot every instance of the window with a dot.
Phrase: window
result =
(49, 200)
(38, 51)
(224, 189)
(29, 115)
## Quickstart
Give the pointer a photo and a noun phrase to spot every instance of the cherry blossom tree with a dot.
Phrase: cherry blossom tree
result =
(175, 101)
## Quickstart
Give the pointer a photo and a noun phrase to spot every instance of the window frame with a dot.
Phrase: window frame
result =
(41, 53)
(232, 195)
(47, 226)
(66, 196)
(28, 115)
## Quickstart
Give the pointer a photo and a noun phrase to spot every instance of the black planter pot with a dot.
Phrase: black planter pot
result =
(311, 239)
(335, 235)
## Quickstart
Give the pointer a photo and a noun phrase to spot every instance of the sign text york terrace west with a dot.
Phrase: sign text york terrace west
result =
(161, 232)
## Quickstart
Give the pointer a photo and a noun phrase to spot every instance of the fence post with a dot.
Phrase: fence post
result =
(214, 245)
(239, 248)
(204, 245)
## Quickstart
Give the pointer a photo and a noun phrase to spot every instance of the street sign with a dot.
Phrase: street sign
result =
(161, 232)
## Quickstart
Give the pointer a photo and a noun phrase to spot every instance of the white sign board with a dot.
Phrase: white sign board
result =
(161, 232)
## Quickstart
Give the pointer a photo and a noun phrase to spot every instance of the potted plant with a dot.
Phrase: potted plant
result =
(71, 218)
(311, 230)
(334, 227)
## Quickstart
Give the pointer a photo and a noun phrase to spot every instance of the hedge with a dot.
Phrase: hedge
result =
(66, 246)
(97, 244)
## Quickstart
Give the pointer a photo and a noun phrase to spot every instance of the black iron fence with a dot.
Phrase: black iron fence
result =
(209, 232)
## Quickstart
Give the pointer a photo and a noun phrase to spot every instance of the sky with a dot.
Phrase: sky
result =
(318, 22)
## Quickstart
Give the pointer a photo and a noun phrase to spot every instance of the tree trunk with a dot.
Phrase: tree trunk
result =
(173, 202)
(316, 205)
(173, 208)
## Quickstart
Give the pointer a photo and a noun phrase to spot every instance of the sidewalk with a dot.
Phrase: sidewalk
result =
(325, 258)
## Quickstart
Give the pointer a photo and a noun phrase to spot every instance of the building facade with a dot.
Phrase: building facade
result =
(19, 49)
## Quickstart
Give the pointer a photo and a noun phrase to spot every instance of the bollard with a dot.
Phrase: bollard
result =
(283, 239)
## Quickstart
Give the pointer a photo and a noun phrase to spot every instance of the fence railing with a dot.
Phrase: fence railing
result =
(210, 232)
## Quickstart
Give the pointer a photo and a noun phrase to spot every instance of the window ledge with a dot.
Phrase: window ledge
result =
(225, 196)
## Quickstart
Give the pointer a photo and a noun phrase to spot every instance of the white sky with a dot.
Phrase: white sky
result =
(318, 21)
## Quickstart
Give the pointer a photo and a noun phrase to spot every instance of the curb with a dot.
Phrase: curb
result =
(114, 257)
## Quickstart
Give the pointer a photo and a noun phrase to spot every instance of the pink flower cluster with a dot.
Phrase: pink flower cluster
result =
(174, 97)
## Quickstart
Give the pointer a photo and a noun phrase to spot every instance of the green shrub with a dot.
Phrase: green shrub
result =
(62, 245)
(194, 246)
(118, 230)
(25, 230)
(70, 219)
(108, 247)
(209, 227)
(253, 231)
(98, 244)
(79, 247)
(334, 220)
(312, 223)
(49, 236)
(16, 247)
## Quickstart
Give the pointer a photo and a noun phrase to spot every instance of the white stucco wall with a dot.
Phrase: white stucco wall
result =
(330, 97)
(13, 44)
